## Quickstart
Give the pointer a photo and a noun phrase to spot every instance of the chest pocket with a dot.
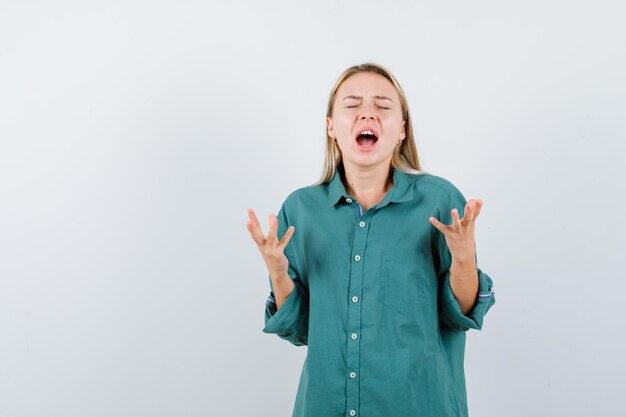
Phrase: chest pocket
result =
(407, 278)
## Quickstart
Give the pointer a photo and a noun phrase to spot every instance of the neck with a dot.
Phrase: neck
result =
(368, 184)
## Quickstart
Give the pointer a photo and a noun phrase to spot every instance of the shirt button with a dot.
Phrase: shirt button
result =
(362, 224)
(354, 336)
(355, 299)
(352, 412)
(349, 200)
(357, 258)
(352, 375)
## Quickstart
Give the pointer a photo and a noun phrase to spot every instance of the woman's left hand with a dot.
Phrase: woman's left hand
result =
(460, 234)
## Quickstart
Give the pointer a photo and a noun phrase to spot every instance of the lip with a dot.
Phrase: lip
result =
(365, 149)
(366, 127)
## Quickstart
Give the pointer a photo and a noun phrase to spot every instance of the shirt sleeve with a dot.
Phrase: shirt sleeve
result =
(450, 313)
(291, 320)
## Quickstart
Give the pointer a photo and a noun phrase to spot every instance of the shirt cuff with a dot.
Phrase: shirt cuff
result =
(290, 321)
(451, 313)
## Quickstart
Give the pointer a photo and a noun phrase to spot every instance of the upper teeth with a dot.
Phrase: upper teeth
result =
(367, 132)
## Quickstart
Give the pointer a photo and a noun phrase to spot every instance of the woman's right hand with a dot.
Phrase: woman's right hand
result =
(272, 249)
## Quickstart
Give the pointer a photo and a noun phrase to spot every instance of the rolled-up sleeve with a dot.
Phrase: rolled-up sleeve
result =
(450, 312)
(291, 320)
(450, 309)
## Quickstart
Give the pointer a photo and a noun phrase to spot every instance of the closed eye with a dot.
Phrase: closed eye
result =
(386, 108)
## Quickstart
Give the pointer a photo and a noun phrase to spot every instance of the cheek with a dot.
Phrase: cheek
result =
(393, 125)
(344, 126)
(393, 119)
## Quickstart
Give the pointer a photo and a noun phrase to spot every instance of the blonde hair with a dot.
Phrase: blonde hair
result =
(404, 156)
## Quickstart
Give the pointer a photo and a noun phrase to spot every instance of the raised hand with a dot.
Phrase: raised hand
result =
(460, 234)
(272, 249)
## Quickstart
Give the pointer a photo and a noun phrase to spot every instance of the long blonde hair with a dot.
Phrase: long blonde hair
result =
(404, 156)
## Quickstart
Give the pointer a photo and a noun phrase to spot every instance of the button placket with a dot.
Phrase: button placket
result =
(359, 245)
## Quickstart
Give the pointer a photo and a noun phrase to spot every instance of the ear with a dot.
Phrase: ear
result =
(403, 133)
(329, 127)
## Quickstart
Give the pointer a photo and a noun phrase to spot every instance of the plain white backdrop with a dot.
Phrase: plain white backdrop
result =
(135, 134)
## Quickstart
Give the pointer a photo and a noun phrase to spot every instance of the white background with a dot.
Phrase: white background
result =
(134, 135)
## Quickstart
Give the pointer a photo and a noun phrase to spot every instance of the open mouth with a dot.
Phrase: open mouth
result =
(367, 139)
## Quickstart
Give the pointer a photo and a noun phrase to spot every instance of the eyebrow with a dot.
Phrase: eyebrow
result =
(361, 98)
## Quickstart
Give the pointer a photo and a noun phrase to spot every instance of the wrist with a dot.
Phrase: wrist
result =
(463, 269)
(279, 277)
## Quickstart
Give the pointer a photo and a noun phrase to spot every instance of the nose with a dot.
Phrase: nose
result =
(368, 115)
(368, 112)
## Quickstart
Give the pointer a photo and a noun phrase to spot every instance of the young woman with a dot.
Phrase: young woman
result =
(374, 267)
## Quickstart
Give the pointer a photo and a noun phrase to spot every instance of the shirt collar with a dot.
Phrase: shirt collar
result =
(402, 189)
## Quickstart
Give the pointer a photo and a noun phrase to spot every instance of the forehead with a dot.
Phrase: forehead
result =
(367, 84)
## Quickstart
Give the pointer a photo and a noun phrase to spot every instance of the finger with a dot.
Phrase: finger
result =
(254, 219)
(271, 235)
(479, 206)
(252, 231)
(440, 226)
(254, 227)
(456, 221)
(474, 209)
(287, 236)
(470, 211)
(256, 235)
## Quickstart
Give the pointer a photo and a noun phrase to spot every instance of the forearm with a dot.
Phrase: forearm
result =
(465, 289)
(283, 285)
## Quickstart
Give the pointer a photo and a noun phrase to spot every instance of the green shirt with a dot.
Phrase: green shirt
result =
(373, 303)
